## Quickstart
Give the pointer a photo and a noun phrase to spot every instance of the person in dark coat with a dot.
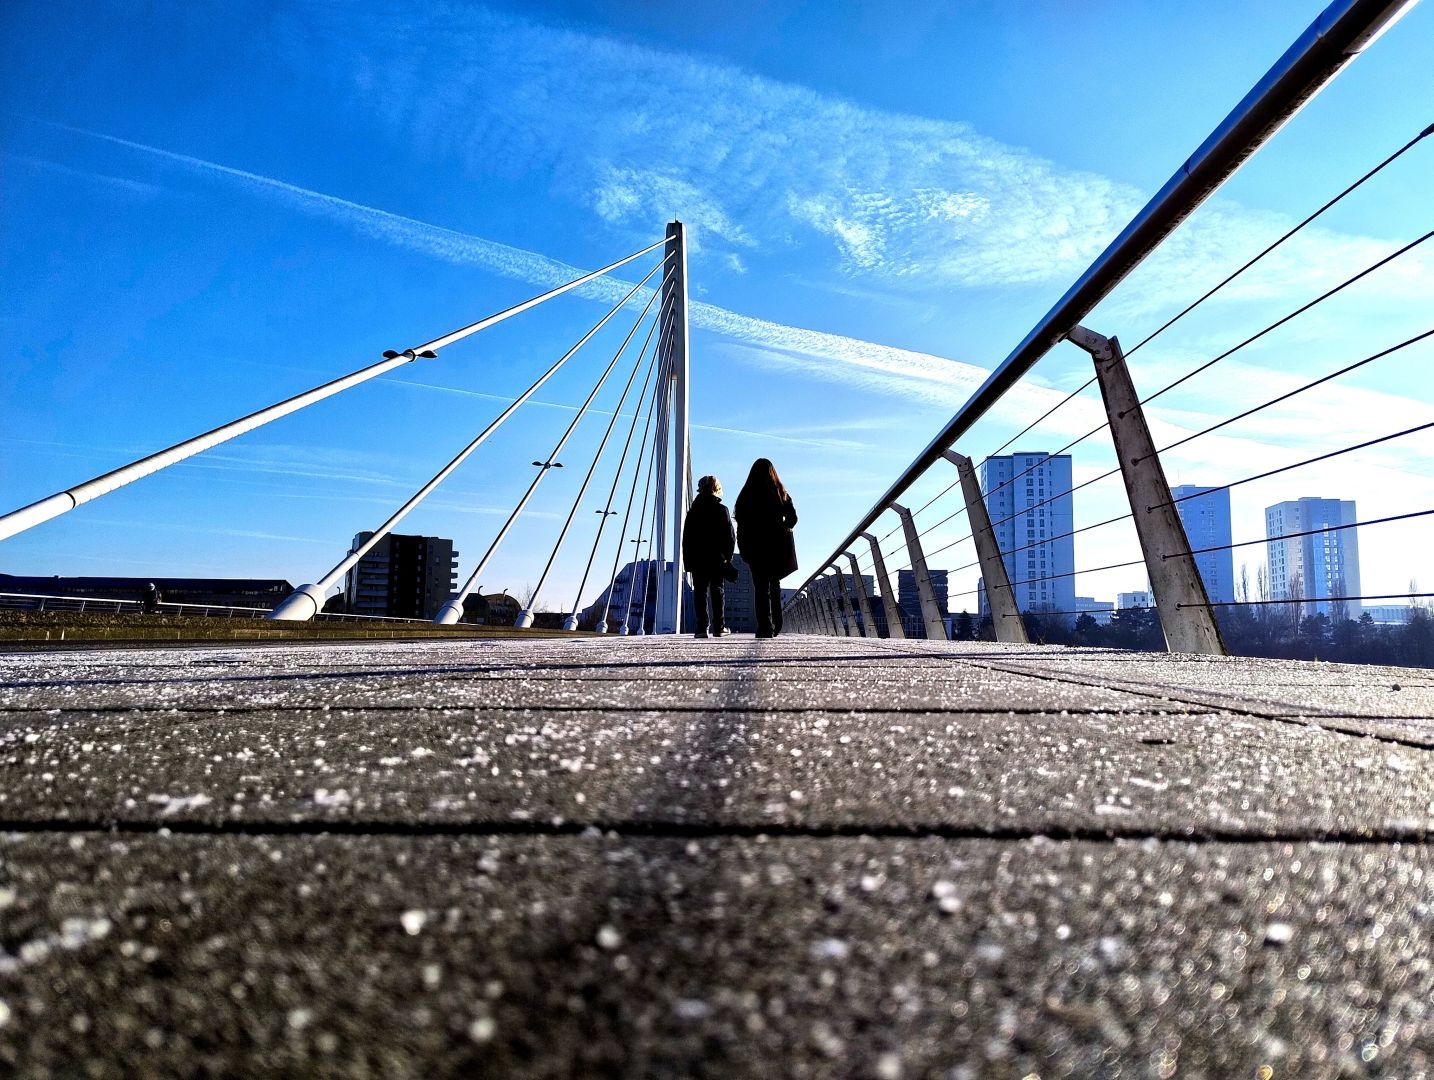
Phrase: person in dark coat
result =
(707, 546)
(765, 517)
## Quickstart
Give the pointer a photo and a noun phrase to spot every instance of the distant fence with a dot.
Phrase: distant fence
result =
(113, 605)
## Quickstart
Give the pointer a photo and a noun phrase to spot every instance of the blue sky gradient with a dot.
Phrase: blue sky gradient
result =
(208, 208)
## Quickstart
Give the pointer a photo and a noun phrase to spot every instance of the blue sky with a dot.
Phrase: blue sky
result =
(209, 207)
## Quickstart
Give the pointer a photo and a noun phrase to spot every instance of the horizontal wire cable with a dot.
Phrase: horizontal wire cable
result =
(1293, 393)
(1296, 465)
(1370, 174)
(1210, 363)
(1286, 318)
(1064, 401)
(1078, 611)
(1065, 574)
(1112, 472)
(1297, 228)
(1312, 600)
(1040, 543)
(1306, 532)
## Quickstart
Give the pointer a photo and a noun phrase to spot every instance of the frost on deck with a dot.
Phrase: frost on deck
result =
(654, 857)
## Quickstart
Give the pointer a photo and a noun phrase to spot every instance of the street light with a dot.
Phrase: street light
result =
(548, 464)
(632, 591)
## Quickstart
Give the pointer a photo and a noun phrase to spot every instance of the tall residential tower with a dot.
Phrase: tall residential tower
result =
(1205, 512)
(1322, 564)
(1031, 517)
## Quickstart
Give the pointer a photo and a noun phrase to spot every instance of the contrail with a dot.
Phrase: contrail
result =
(937, 379)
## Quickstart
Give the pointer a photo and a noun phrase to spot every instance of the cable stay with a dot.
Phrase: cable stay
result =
(597, 457)
(627, 514)
(640, 540)
(53, 506)
(452, 611)
(607, 511)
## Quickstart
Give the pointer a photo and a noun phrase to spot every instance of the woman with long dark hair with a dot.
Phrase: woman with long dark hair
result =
(765, 517)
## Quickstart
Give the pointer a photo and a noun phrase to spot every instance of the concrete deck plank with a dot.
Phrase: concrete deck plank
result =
(605, 956)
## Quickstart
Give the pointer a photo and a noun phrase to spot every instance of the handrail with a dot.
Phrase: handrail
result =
(1337, 36)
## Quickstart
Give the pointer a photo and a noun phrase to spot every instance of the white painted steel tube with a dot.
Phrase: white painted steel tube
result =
(53, 506)
(306, 601)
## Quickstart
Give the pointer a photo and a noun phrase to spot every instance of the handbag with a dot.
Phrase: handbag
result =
(787, 564)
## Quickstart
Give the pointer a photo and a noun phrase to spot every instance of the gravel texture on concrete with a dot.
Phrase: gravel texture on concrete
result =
(658, 857)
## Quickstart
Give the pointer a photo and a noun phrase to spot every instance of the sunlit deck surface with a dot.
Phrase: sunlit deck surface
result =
(663, 857)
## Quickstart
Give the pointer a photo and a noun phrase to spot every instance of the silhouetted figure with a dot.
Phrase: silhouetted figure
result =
(764, 533)
(151, 598)
(707, 546)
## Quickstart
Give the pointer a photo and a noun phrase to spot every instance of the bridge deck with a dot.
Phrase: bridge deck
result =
(650, 857)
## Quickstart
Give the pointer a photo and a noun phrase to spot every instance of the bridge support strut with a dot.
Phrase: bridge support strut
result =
(1185, 613)
(894, 629)
(868, 624)
(1000, 597)
(930, 611)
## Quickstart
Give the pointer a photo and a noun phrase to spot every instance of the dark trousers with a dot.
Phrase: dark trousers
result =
(708, 588)
(767, 599)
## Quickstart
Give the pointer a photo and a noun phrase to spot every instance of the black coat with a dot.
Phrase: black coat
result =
(764, 530)
(707, 536)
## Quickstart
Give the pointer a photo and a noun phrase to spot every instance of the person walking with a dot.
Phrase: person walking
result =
(765, 517)
(707, 546)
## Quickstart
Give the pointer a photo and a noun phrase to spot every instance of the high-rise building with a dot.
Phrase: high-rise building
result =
(1205, 512)
(403, 577)
(908, 599)
(1124, 601)
(1031, 515)
(1318, 565)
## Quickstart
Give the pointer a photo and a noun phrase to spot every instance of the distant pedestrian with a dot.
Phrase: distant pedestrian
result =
(707, 546)
(765, 517)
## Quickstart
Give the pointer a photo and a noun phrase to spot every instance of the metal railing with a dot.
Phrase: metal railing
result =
(115, 605)
(820, 605)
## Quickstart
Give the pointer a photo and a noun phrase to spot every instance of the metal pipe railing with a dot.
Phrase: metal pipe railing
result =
(1339, 34)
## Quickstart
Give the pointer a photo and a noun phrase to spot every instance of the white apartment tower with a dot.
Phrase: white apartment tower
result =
(1028, 496)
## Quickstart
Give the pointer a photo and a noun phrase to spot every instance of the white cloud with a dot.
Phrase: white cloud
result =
(897, 198)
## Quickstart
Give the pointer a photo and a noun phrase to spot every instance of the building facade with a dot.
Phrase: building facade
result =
(1099, 610)
(908, 599)
(1031, 516)
(1317, 566)
(403, 577)
(1205, 513)
(633, 597)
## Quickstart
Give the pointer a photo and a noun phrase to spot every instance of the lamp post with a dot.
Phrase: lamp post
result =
(601, 626)
(632, 591)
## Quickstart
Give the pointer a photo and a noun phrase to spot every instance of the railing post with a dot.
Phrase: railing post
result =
(829, 599)
(844, 601)
(1000, 597)
(894, 629)
(1185, 613)
(930, 613)
(868, 624)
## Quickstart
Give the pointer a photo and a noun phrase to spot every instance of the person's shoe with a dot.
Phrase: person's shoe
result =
(721, 631)
(765, 634)
(700, 634)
